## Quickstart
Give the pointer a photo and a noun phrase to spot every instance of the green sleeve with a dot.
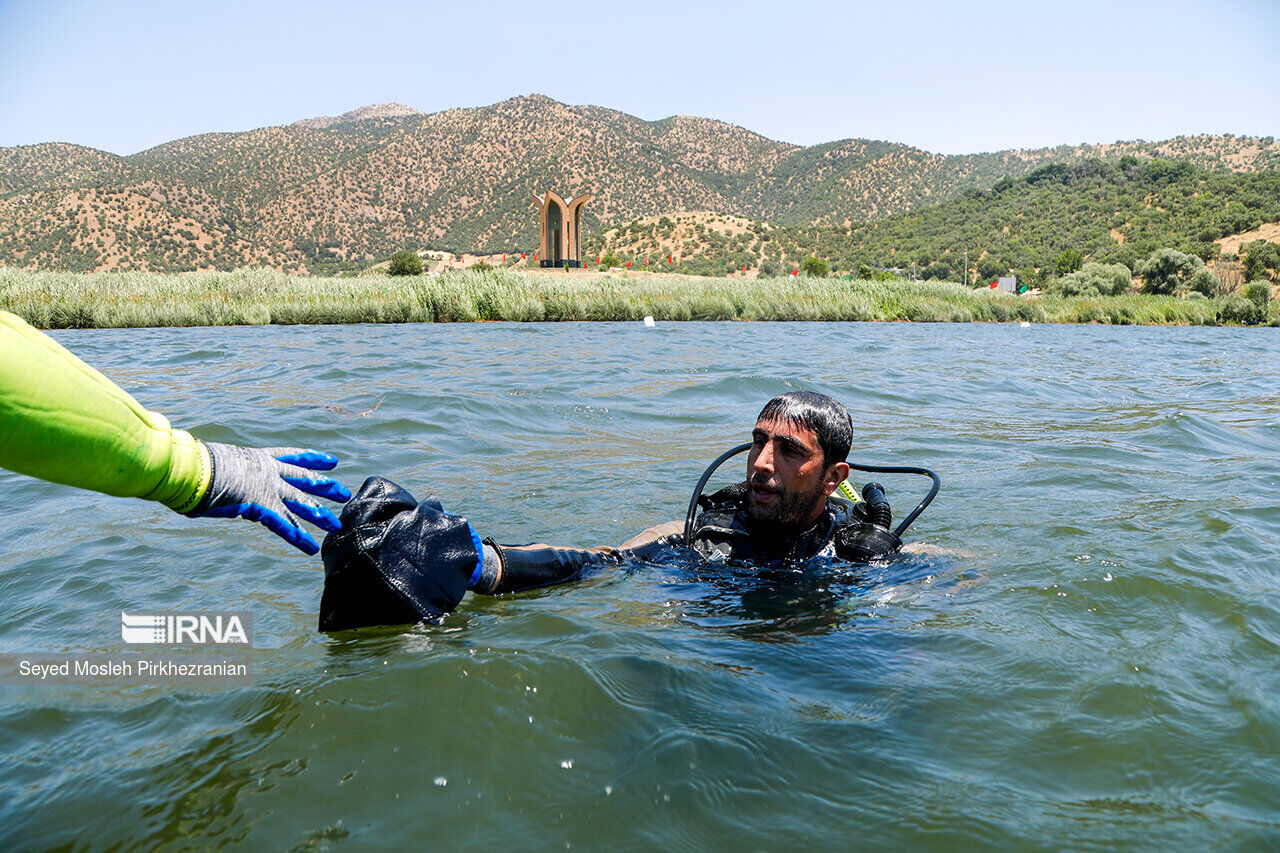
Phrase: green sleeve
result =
(63, 421)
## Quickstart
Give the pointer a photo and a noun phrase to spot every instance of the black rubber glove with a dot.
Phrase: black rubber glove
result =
(395, 561)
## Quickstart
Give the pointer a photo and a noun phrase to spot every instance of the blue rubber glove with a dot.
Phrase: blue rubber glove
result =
(272, 486)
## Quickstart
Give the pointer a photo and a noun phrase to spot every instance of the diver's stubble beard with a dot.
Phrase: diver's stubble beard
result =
(789, 510)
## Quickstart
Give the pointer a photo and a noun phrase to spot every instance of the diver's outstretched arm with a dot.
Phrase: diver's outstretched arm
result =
(510, 568)
(398, 560)
(63, 421)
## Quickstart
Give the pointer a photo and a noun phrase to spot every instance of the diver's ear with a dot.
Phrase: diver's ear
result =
(837, 473)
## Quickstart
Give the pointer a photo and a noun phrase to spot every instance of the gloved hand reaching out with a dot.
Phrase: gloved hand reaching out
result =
(271, 486)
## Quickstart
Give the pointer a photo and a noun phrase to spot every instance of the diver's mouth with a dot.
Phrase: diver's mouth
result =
(762, 493)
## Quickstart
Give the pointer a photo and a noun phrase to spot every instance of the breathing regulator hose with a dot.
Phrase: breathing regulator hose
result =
(904, 469)
(878, 512)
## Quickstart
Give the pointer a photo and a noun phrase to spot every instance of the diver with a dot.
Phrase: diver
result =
(399, 561)
(63, 421)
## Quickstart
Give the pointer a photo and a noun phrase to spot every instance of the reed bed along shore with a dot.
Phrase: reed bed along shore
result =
(253, 297)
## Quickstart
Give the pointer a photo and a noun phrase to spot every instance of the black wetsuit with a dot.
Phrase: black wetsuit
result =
(398, 561)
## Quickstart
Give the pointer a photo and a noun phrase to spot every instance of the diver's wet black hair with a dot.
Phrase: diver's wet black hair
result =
(828, 418)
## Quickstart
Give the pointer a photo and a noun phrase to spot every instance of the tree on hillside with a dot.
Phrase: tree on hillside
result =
(1069, 261)
(815, 268)
(405, 263)
(1259, 257)
(991, 267)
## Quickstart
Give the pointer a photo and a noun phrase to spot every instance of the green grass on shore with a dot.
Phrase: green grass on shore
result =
(253, 297)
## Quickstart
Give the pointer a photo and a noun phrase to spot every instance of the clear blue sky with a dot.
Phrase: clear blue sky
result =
(951, 77)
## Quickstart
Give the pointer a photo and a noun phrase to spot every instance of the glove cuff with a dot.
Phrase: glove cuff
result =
(487, 572)
(190, 474)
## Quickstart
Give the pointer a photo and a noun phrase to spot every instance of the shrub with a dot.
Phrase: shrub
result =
(1203, 281)
(769, 268)
(609, 260)
(1166, 269)
(480, 266)
(405, 263)
(1237, 309)
(1077, 284)
(1258, 292)
(1114, 279)
(1093, 279)
(815, 268)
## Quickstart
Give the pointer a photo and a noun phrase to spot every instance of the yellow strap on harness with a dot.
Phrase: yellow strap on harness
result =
(848, 491)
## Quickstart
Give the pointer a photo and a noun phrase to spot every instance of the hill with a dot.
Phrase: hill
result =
(339, 193)
(373, 111)
(1111, 211)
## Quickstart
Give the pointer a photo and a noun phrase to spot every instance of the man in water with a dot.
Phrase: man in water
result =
(399, 561)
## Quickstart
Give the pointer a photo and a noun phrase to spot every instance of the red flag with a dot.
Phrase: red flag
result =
(796, 271)
(994, 285)
(597, 260)
(522, 256)
(535, 256)
(669, 259)
(504, 257)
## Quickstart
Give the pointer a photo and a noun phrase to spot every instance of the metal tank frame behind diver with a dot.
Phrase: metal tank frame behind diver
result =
(864, 540)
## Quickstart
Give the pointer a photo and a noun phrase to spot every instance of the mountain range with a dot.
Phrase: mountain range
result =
(334, 193)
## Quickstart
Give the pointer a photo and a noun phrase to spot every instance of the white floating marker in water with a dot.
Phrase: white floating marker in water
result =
(441, 781)
(648, 321)
(566, 765)
(1024, 324)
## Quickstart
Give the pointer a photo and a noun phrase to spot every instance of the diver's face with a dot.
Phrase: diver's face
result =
(788, 482)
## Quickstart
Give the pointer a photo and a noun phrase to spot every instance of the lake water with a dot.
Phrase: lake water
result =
(1083, 657)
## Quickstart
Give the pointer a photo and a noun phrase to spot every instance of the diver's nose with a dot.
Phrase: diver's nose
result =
(764, 459)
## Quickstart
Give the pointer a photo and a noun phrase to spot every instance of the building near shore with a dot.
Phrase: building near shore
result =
(558, 229)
